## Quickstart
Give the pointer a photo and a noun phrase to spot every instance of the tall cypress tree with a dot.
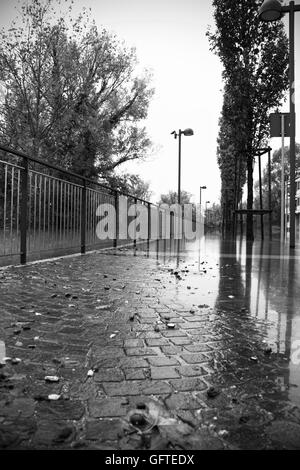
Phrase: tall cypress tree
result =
(255, 60)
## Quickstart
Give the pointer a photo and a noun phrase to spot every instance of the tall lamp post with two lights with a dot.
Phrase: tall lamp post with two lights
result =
(272, 10)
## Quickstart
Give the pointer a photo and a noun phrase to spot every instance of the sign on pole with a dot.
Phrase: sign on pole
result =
(275, 124)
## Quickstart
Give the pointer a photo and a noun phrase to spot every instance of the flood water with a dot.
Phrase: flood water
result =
(261, 278)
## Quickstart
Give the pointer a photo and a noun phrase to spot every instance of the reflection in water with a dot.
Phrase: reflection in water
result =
(2, 352)
(230, 281)
(253, 284)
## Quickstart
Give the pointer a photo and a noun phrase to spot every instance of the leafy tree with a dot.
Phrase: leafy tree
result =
(254, 55)
(72, 95)
(276, 181)
(130, 184)
(229, 150)
(213, 216)
(172, 198)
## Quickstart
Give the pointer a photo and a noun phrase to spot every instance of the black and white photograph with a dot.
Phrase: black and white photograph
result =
(149, 229)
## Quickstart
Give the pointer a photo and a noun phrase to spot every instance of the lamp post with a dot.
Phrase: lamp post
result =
(272, 10)
(186, 132)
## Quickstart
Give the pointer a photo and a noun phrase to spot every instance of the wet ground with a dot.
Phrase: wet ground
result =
(194, 346)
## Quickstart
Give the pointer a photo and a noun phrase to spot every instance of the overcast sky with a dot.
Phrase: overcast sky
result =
(170, 39)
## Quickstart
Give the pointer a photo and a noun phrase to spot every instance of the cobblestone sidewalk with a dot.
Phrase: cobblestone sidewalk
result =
(121, 352)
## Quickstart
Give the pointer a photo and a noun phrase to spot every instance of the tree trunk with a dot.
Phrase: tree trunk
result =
(250, 235)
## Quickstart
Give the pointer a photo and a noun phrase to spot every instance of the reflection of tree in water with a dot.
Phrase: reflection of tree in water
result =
(240, 357)
(231, 283)
(279, 277)
(240, 334)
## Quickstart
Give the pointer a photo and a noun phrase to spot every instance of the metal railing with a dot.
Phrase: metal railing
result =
(46, 211)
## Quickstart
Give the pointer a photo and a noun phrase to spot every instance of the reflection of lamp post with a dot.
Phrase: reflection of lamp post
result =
(186, 132)
(201, 187)
(272, 10)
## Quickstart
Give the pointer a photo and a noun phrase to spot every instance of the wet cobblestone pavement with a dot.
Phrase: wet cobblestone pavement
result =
(111, 351)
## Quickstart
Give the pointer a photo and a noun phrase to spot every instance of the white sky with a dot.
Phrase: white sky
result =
(170, 39)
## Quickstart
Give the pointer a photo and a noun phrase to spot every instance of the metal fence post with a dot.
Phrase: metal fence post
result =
(149, 225)
(83, 218)
(134, 241)
(117, 220)
(270, 193)
(24, 211)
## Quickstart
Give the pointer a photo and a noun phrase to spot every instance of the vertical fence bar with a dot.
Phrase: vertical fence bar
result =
(34, 211)
(83, 217)
(49, 213)
(149, 225)
(4, 210)
(53, 212)
(44, 211)
(117, 220)
(12, 208)
(29, 214)
(40, 212)
(270, 193)
(134, 241)
(24, 209)
(18, 203)
(261, 198)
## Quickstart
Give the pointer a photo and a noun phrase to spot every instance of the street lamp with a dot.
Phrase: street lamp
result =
(272, 10)
(187, 132)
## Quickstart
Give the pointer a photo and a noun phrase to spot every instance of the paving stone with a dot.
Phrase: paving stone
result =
(173, 333)
(285, 434)
(103, 429)
(191, 325)
(140, 352)
(180, 341)
(23, 407)
(106, 362)
(149, 334)
(133, 343)
(157, 342)
(135, 374)
(13, 432)
(194, 358)
(191, 371)
(136, 387)
(182, 401)
(163, 373)
(107, 407)
(188, 384)
(162, 361)
(70, 330)
(109, 375)
(198, 347)
(61, 409)
(133, 362)
(171, 350)
(49, 346)
(47, 436)
(9, 436)
(197, 318)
